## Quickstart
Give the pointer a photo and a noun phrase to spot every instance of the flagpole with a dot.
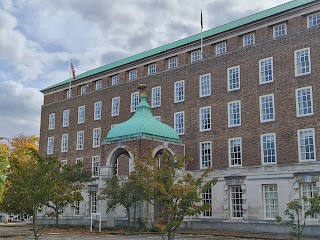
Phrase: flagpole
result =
(201, 35)
(69, 94)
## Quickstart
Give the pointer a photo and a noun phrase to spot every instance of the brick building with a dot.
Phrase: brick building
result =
(247, 104)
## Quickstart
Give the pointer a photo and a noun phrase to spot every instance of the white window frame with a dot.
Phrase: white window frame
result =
(79, 160)
(296, 68)
(310, 191)
(80, 140)
(99, 84)
(172, 63)
(115, 79)
(270, 201)
(205, 119)
(69, 93)
(116, 167)
(246, 39)
(180, 132)
(134, 101)
(205, 85)
(152, 69)
(63, 162)
(206, 197)
(115, 111)
(298, 103)
(232, 113)
(133, 74)
(50, 146)
(231, 144)
(262, 136)
(66, 118)
(277, 30)
(97, 110)
(64, 142)
(196, 55)
(96, 166)
(94, 202)
(205, 156)
(236, 80)
(76, 208)
(301, 158)
(236, 201)
(221, 48)
(311, 22)
(263, 63)
(96, 136)
(83, 89)
(179, 84)
(158, 118)
(81, 114)
(262, 109)
(52, 121)
(156, 97)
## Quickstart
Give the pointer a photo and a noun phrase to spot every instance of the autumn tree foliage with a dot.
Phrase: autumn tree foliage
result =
(4, 155)
(174, 192)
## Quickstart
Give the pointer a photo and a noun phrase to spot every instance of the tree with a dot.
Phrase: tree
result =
(173, 191)
(118, 191)
(297, 215)
(68, 183)
(4, 162)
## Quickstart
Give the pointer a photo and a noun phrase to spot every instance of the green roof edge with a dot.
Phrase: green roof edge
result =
(228, 26)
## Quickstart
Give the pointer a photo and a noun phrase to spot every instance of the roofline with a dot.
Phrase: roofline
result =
(211, 32)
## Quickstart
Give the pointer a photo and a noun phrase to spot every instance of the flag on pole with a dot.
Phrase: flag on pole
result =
(73, 71)
(201, 20)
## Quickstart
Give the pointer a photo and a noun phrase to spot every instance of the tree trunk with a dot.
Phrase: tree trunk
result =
(57, 218)
(128, 215)
(34, 226)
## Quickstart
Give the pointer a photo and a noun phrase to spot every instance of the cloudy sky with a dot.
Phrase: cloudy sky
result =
(39, 37)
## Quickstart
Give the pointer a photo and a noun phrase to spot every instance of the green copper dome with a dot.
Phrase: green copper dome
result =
(142, 124)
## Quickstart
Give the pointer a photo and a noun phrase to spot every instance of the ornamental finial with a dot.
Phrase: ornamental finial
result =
(142, 87)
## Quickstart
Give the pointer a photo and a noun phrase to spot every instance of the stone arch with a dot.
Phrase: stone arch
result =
(157, 150)
(115, 153)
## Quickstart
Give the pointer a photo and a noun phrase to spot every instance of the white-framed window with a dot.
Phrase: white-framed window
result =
(94, 202)
(266, 70)
(115, 79)
(205, 118)
(270, 200)
(304, 101)
(207, 199)
(196, 55)
(309, 190)
(314, 20)
(69, 93)
(205, 154)
(152, 69)
(64, 143)
(83, 89)
(236, 201)
(99, 84)
(80, 140)
(52, 120)
(63, 162)
(76, 208)
(66, 118)
(248, 39)
(156, 97)
(221, 48)
(235, 152)
(115, 106)
(172, 63)
(205, 85)
(50, 145)
(81, 114)
(134, 101)
(179, 91)
(97, 110)
(158, 118)
(96, 135)
(279, 30)
(116, 167)
(267, 112)
(95, 166)
(268, 148)
(302, 62)
(78, 160)
(306, 144)
(179, 122)
(233, 78)
(133, 74)
(234, 113)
